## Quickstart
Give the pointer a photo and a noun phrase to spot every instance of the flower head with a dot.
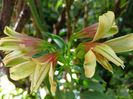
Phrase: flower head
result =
(45, 65)
(24, 61)
(21, 42)
(104, 52)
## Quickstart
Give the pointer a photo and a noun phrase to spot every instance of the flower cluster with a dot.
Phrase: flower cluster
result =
(36, 58)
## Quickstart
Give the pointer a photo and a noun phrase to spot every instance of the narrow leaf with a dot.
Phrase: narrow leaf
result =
(59, 41)
(40, 54)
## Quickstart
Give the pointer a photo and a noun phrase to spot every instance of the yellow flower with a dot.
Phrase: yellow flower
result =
(20, 49)
(45, 65)
(104, 52)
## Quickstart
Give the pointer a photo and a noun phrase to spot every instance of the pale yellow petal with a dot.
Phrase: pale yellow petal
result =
(39, 75)
(121, 44)
(109, 54)
(35, 76)
(8, 31)
(51, 80)
(89, 64)
(106, 26)
(104, 62)
(7, 45)
(13, 54)
(13, 61)
(22, 70)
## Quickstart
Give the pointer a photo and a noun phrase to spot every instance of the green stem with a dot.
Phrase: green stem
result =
(38, 21)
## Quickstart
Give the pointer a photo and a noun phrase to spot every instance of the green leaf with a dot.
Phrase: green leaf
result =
(106, 26)
(89, 64)
(96, 85)
(38, 20)
(80, 51)
(40, 54)
(94, 95)
(109, 54)
(65, 95)
(121, 44)
(59, 41)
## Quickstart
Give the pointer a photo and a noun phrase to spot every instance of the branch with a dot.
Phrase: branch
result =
(118, 9)
(6, 13)
(68, 21)
(60, 22)
(62, 18)
(23, 18)
(85, 13)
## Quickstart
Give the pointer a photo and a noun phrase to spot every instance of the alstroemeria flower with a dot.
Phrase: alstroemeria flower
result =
(104, 52)
(45, 65)
(22, 42)
(20, 49)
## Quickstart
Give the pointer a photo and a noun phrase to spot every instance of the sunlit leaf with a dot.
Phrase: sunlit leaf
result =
(89, 64)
